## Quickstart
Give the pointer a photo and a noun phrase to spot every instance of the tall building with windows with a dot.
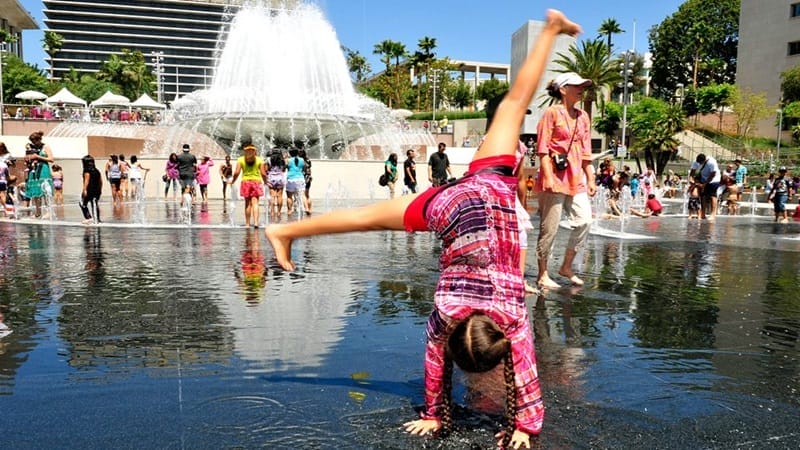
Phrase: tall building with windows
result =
(769, 44)
(13, 19)
(178, 38)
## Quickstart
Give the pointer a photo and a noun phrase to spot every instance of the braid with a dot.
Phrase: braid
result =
(447, 400)
(511, 399)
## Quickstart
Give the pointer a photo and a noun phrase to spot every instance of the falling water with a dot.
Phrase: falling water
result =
(625, 204)
(282, 81)
(47, 189)
(186, 209)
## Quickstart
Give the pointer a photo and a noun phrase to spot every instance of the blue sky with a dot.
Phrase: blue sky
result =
(465, 30)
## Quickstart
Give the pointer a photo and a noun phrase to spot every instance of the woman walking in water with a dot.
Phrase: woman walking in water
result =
(480, 317)
(566, 175)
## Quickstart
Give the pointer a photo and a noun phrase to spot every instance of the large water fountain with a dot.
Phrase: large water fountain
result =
(282, 81)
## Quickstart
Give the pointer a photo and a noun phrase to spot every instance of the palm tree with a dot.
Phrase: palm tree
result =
(593, 62)
(608, 28)
(52, 43)
(385, 50)
(357, 64)
(425, 56)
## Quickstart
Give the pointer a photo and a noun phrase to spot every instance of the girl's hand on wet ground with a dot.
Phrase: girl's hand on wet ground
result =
(422, 426)
(518, 439)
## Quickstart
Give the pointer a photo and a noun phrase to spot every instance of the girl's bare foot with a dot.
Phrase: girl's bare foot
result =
(557, 19)
(281, 245)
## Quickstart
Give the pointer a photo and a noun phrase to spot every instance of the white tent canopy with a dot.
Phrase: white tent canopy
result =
(111, 99)
(65, 97)
(146, 102)
(31, 95)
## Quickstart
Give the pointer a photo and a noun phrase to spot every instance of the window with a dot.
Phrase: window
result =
(794, 10)
(794, 48)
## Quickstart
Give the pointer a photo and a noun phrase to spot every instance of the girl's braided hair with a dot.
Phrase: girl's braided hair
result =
(477, 344)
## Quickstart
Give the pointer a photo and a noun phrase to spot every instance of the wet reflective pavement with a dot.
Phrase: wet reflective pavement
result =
(161, 336)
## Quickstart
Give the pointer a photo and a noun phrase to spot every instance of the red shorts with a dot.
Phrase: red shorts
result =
(250, 189)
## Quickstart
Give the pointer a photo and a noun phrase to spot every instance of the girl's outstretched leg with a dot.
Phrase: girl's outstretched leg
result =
(387, 215)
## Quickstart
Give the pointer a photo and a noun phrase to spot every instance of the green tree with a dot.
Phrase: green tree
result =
(5, 36)
(608, 28)
(384, 49)
(701, 30)
(748, 108)
(128, 72)
(19, 76)
(491, 89)
(608, 123)
(591, 61)
(393, 87)
(653, 124)
(86, 86)
(715, 98)
(460, 94)
(52, 43)
(422, 60)
(357, 64)
(790, 84)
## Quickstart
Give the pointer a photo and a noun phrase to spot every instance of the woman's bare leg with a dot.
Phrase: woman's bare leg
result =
(386, 215)
(255, 211)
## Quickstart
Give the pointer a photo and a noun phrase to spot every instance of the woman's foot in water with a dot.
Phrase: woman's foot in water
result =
(545, 282)
(570, 275)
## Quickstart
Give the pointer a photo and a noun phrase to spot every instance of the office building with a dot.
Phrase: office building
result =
(769, 44)
(178, 38)
(13, 19)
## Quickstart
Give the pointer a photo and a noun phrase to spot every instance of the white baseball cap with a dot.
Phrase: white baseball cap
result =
(571, 79)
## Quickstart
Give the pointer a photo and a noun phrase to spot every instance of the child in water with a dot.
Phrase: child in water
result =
(480, 317)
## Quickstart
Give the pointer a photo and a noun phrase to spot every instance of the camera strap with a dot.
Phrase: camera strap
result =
(574, 130)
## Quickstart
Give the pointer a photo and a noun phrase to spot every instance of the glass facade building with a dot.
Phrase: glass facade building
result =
(178, 38)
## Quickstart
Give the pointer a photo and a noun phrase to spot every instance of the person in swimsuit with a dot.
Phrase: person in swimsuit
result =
(58, 185)
(480, 292)
(276, 181)
(226, 174)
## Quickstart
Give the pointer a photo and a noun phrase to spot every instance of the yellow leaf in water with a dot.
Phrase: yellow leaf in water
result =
(357, 396)
(360, 377)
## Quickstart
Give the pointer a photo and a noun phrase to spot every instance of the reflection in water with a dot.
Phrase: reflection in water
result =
(113, 322)
(95, 259)
(252, 274)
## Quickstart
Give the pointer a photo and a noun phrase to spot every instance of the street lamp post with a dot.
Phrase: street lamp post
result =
(625, 73)
(435, 83)
(679, 93)
(2, 103)
(158, 60)
(780, 128)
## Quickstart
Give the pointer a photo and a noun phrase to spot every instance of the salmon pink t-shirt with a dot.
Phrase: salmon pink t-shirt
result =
(555, 132)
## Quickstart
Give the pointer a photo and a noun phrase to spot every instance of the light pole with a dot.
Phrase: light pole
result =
(158, 60)
(2, 103)
(780, 128)
(626, 72)
(679, 93)
(435, 83)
